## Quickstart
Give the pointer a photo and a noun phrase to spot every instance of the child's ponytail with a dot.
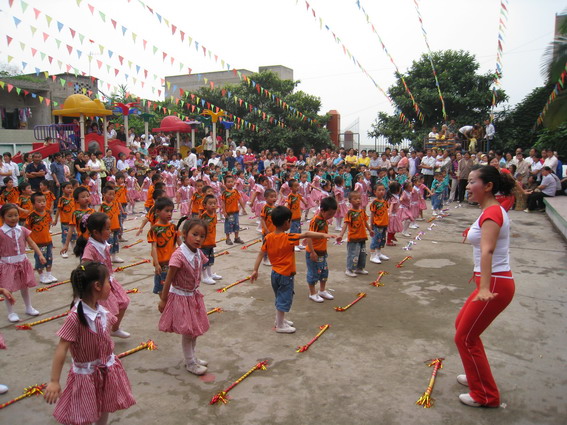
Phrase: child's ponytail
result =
(82, 279)
(90, 223)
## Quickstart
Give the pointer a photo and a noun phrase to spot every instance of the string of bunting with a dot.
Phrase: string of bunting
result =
(559, 86)
(9, 87)
(416, 3)
(408, 91)
(502, 20)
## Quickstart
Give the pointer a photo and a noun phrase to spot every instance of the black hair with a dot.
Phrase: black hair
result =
(78, 191)
(207, 199)
(205, 188)
(34, 196)
(65, 184)
(7, 207)
(7, 179)
(22, 186)
(329, 203)
(107, 188)
(228, 176)
(290, 182)
(163, 203)
(501, 182)
(280, 215)
(82, 279)
(406, 184)
(94, 221)
(93, 174)
(393, 189)
(74, 182)
(159, 185)
(158, 193)
(339, 180)
(378, 184)
(44, 182)
(352, 194)
(119, 175)
(189, 223)
(268, 192)
(8, 154)
(261, 179)
(156, 177)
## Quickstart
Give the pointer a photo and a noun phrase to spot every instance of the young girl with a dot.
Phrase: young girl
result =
(169, 178)
(405, 208)
(316, 194)
(305, 192)
(257, 200)
(16, 271)
(285, 190)
(217, 186)
(342, 206)
(182, 306)
(209, 217)
(391, 174)
(163, 238)
(360, 188)
(183, 197)
(10, 194)
(146, 187)
(241, 186)
(414, 205)
(94, 188)
(132, 189)
(97, 383)
(394, 218)
(97, 249)
(422, 189)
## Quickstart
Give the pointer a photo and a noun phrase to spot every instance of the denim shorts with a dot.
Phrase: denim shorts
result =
(283, 290)
(65, 232)
(113, 241)
(47, 252)
(295, 226)
(160, 278)
(231, 223)
(379, 238)
(316, 270)
(210, 254)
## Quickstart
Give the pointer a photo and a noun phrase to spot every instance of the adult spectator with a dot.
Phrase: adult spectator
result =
(208, 145)
(463, 170)
(231, 144)
(143, 150)
(364, 159)
(455, 158)
(340, 159)
(269, 161)
(394, 159)
(490, 131)
(131, 137)
(290, 157)
(385, 162)
(93, 129)
(374, 167)
(550, 160)
(109, 161)
(239, 160)
(249, 158)
(536, 166)
(110, 131)
(58, 173)
(522, 169)
(414, 162)
(5, 171)
(427, 167)
(403, 162)
(548, 188)
(433, 134)
(121, 164)
(444, 163)
(36, 171)
(215, 160)
(241, 148)
(13, 166)
(80, 166)
(191, 159)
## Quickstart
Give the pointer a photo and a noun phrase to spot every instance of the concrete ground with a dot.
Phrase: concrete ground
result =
(369, 367)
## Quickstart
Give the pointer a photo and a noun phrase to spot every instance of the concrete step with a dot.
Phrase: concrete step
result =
(556, 210)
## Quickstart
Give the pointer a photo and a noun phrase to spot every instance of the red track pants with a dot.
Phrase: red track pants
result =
(471, 322)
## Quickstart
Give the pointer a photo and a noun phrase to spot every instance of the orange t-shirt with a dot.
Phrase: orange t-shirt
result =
(11, 197)
(65, 207)
(356, 220)
(294, 204)
(39, 224)
(120, 192)
(230, 199)
(380, 210)
(25, 203)
(49, 198)
(197, 203)
(319, 224)
(76, 218)
(151, 215)
(113, 212)
(266, 214)
(165, 238)
(281, 252)
(150, 200)
(211, 222)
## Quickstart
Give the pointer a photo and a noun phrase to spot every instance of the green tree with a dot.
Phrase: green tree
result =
(466, 93)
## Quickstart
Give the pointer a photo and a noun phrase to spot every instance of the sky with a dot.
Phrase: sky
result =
(252, 33)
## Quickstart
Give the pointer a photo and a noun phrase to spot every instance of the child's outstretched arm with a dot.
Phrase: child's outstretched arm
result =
(53, 390)
(36, 249)
(343, 230)
(254, 274)
(316, 235)
(165, 291)
(141, 228)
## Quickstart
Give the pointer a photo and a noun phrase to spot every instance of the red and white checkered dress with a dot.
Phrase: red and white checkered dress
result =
(97, 382)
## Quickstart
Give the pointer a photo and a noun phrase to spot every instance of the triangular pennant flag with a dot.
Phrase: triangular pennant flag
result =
(99, 63)
(36, 12)
(40, 99)
(47, 101)
(33, 29)
(81, 38)
(134, 37)
(91, 8)
(16, 21)
(45, 36)
(79, 53)
(113, 23)
(124, 29)
(18, 90)
(102, 16)
(22, 45)
(69, 48)
(24, 6)
(10, 87)
(9, 39)
(24, 64)
(59, 26)
(58, 43)
(48, 19)
(173, 29)
(110, 53)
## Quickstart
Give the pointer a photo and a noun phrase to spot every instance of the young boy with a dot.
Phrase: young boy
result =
(122, 200)
(49, 196)
(437, 187)
(379, 219)
(150, 200)
(209, 216)
(357, 222)
(266, 218)
(112, 209)
(151, 214)
(316, 253)
(81, 195)
(65, 208)
(293, 202)
(39, 222)
(164, 238)
(232, 200)
(279, 246)
(197, 199)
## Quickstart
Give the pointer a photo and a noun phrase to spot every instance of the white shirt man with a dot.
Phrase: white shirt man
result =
(412, 165)
(191, 160)
(215, 160)
(490, 131)
(14, 167)
(550, 161)
(242, 149)
(428, 161)
(121, 165)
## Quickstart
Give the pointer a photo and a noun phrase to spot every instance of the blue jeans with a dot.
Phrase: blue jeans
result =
(231, 223)
(47, 252)
(65, 232)
(316, 270)
(356, 255)
(114, 242)
(379, 238)
(210, 254)
(295, 226)
(436, 201)
(283, 290)
(160, 278)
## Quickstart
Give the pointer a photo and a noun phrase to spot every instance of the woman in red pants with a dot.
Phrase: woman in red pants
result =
(490, 238)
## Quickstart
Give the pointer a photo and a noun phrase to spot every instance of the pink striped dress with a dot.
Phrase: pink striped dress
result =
(97, 382)
(259, 201)
(395, 223)
(239, 184)
(185, 311)
(95, 195)
(216, 190)
(405, 206)
(145, 187)
(304, 191)
(316, 195)
(131, 192)
(414, 204)
(284, 193)
(271, 182)
(251, 184)
(169, 184)
(185, 193)
(360, 187)
(341, 201)
(422, 204)
(16, 271)
(117, 300)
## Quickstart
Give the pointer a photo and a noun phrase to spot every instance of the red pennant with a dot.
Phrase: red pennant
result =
(11, 2)
(91, 8)
(212, 84)
(99, 63)
(181, 92)
(121, 59)
(10, 87)
(204, 50)
(113, 23)
(144, 43)
(26, 92)
(53, 77)
(73, 32)
(173, 29)
(189, 70)
(50, 58)
(192, 108)
(48, 101)
(182, 34)
(172, 59)
(45, 36)
(69, 48)
(37, 12)
(115, 72)
(164, 56)
(146, 73)
(9, 39)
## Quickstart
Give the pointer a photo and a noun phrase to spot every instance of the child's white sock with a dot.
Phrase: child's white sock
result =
(279, 319)
(188, 348)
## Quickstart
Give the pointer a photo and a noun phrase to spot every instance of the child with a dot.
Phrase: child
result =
(257, 199)
(360, 187)
(357, 222)
(97, 383)
(241, 187)
(422, 189)
(293, 202)
(156, 178)
(285, 189)
(217, 189)
(95, 248)
(163, 239)
(24, 205)
(197, 199)
(394, 217)
(305, 192)
(437, 187)
(405, 208)
(16, 272)
(112, 209)
(181, 303)
(316, 253)
(132, 189)
(169, 177)
(65, 207)
(49, 196)
(342, 207)
(94, 188)
(121, 197)
(231, 199)
(316, 186)
(209, 217)
(414, 205)
(146, 184)
(266, 218)
(10, 194)
(379, 220)
(81, 198)
(279, 246)
(151, 214)
(184, 196)
(39, 222)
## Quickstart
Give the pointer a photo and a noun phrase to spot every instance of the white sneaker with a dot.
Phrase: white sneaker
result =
(13, 317)
(32, 311)
(361, 271)
(383, 257)
(296, 249)
(216, 277)
(338, 229)
(3, 389)
(116, 259)
(201, 362)
(286, 322)
(468, 400)
(406, 234)
(375, 259)
(462, 379)
(316, 297)
(196, 369)
(326, 295)
(413, 226)
(266, 262)
(65, 255)
(43, 278)
(285, 329)
(120, 334)
(420, 219)
(350, 273)
(208, 281)
(301, 246)
(52, 279)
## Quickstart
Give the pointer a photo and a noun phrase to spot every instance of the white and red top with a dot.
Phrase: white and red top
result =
(501, 255)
